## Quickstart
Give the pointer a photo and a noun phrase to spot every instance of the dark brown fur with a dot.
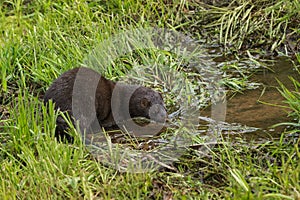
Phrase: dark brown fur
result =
(62, 94)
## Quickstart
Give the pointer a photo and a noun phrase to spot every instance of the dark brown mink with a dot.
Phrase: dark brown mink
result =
(87, 96)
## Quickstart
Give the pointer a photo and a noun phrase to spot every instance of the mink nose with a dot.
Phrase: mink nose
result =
(158, 113)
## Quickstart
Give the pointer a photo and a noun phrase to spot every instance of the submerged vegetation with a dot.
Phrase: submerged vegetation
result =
(41, 39)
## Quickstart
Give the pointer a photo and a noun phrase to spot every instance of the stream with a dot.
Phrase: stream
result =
(256, 108)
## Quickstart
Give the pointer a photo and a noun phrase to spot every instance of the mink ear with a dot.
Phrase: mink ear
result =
(145, 103)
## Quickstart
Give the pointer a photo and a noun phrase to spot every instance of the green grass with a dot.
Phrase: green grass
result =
(41, 39)
(292, 99)
(251, 26)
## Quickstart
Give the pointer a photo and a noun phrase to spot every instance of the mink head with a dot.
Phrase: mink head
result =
(147, 103)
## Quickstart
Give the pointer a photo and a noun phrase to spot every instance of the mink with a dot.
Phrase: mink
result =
(97, 102)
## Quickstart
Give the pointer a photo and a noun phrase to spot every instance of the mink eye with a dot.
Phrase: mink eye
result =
(145, 103)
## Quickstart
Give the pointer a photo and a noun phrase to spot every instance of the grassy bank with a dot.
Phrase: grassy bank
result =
(41, 39)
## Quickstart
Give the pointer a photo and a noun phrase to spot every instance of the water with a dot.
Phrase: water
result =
(253, 108)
